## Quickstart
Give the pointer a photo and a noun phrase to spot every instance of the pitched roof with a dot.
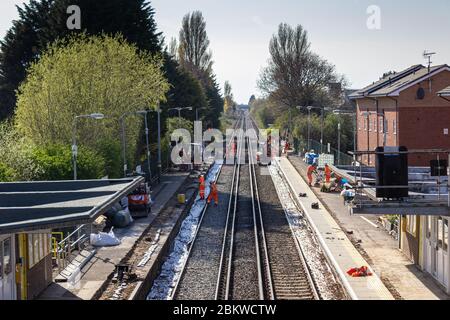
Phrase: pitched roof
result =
(26, 206)
(445, 92)
(383, 81)
(393, 84)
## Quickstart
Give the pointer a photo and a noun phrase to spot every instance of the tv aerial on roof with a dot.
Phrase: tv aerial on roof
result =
(428, 55)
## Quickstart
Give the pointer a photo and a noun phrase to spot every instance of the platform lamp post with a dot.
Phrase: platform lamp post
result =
(340, 112)
(179, 110)
(309, 108)
(124, 154)
(158, 111)
(95, 116)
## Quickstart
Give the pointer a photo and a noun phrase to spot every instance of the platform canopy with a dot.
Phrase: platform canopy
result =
(28, 206)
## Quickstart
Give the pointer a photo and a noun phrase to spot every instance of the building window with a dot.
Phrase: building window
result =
(39, 246)
(440, 232)
(370, 124)
(411, 225)
(445, 235)
(7, 263)
(381, 125)
(394, 126)
(429, 225)
(365, 124)
(375, 125)
(386, 126)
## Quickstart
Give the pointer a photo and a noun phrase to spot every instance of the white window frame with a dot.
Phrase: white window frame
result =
(39, 246)
(411, 225)
(394, 126)
(445, 234)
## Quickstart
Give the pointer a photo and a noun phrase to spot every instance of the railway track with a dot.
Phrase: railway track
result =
(239, 276)
(259, 258)
(199, 272)
(287, 276)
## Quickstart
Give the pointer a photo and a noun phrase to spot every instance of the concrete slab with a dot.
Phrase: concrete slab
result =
(380, 249)
(343, 255)
(96, 272)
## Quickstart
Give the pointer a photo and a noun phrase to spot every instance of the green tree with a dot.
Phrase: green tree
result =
(215, 101)
(296, 75)
(229, 104)
(185, 90)
(83, 75)
(16, 154)
(179, 123)
(6, 173)
(193, 49)
(42, 22)
(195, 56)
(56, 163)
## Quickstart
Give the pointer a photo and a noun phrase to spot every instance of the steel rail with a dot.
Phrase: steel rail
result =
(183, 268)
(235, 185)
(260, 221)
(301, 254)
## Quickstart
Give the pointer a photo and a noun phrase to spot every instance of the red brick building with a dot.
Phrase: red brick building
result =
(408, 108)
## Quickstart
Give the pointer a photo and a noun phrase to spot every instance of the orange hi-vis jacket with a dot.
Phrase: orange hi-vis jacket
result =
(327, 173)
(202, 189)
(310, 171)
(213, 194)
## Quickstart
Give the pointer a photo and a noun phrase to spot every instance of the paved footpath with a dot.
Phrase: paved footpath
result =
(379, 249)
(103, 263)
(337, 246)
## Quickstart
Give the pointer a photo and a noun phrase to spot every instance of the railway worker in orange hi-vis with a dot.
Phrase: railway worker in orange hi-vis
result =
(327, 173)
(234, 149)
(309, 173)
(213, 193)
(201, 187)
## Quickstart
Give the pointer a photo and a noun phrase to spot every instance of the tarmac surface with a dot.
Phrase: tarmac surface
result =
(403, 279)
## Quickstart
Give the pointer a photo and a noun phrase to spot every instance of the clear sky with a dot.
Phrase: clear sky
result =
(240, 31)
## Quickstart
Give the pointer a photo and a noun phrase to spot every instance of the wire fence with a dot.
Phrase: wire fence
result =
(340, 158)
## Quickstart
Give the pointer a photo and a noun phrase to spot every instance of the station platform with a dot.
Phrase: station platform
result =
(338, 248)
(95, 274)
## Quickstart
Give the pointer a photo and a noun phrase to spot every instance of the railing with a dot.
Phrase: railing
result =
(340, 158)
(75, 241)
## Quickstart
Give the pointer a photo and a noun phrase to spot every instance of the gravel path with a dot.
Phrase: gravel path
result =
(326, 283)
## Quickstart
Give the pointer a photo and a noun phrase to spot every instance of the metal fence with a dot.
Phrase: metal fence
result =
(340, 158)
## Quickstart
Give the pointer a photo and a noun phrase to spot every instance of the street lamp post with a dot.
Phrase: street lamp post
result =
(180, 109)
(309, 108)
(339, 112)
(95, 116)
(339, 143)
(309, 128)
(144, 113)
(159, 144)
